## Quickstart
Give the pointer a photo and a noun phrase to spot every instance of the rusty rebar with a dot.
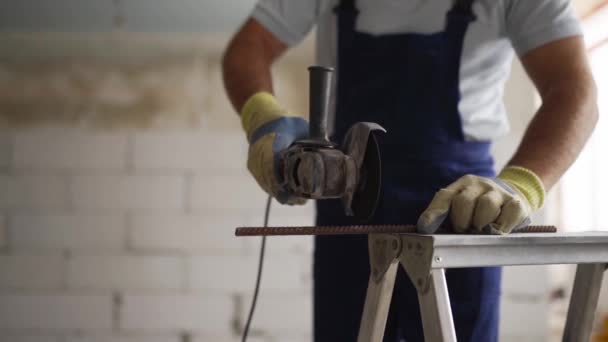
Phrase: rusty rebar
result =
(355, 230)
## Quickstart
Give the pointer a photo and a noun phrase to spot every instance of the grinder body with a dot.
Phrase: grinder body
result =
(317, 168)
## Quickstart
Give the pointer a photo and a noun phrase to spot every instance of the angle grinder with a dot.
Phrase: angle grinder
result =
(318, 168)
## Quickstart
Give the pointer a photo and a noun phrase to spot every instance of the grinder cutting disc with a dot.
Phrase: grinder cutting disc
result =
(367, 194)
(361, 144)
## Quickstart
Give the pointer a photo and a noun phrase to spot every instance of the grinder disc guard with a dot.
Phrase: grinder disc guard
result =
(361, 144)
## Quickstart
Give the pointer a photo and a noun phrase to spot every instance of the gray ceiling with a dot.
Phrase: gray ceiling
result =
(130, 15)
(137, 15)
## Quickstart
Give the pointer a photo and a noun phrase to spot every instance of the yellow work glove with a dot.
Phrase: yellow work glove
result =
(270, 130)
(486, 205)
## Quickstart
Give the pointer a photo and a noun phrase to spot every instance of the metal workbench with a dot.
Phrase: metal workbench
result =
(425, 258)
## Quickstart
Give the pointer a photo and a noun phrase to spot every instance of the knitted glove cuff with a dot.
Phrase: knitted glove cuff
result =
(259, 109)
(526, 182)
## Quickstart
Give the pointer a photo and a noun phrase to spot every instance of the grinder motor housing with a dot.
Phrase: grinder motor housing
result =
(317, 168)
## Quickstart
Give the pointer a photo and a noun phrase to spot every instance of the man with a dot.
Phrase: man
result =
(432, 72)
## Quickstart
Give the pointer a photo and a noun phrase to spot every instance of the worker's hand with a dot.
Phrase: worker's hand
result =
(486, 205)
(270, 130)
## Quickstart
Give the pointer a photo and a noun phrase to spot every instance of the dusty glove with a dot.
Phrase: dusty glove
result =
(486, 205)
(269, 130)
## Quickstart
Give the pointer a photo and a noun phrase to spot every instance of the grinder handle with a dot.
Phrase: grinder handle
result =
(320, 94)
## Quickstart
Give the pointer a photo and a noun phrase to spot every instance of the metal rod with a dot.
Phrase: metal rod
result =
(583, 302)
(355, 230)
(320, 93)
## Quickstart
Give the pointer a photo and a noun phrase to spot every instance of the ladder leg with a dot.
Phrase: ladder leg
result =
(583, 302)
(435, 310)
(377, 303)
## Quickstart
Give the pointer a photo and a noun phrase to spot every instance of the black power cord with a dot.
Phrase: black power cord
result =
(258, 280)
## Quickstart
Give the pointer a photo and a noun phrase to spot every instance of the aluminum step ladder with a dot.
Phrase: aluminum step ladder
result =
(426, 257)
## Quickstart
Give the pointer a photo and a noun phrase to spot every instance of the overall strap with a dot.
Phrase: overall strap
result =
(463, 6)
(458, 20)
(346, 12)
(346, 5)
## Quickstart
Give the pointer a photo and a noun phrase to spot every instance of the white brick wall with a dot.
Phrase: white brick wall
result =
(6, 146)
(177, 313)
(227, 191)
(33, 192)
(21, 338)
(128, 235)
(221, 117)
(534, 326)
(209, 338)
(288, 314)
(72, 231)
(520, 279)
(69, 149)
(230, 274)
(3, 231)
(125, 272)
(192, 234)
(54, 313)
(142, 338)
(31, 271)
(124, 192)
(196, 150)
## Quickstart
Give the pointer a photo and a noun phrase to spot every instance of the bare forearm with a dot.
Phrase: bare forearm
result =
(247, 62)
(561, 73)
(559, 130)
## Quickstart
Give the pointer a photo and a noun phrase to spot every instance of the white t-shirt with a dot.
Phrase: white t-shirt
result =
(502, 27)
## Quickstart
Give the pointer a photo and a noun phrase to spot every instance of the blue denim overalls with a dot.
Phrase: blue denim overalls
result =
(408, 83)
